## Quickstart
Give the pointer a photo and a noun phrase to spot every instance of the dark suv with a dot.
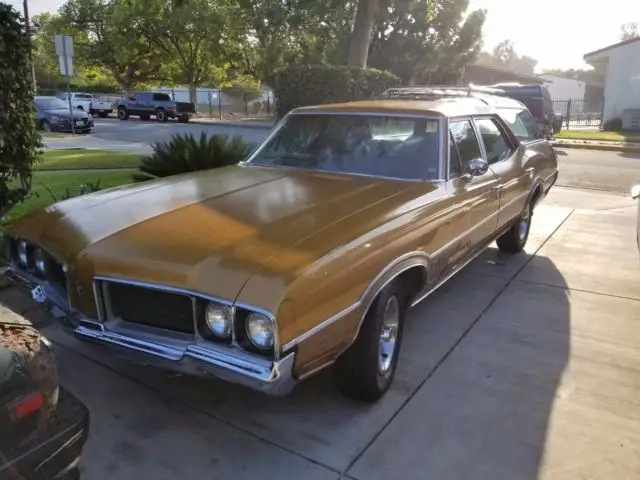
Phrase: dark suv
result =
(161, 105)
(536, 98)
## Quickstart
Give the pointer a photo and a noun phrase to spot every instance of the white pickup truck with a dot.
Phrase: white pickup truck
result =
(89, 103)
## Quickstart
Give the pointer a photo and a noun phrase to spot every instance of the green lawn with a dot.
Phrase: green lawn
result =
(81, 158)
(58, 183)
(596, 135)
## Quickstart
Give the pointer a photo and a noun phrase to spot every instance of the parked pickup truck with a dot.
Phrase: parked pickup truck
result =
(89, 103)
(161, 105)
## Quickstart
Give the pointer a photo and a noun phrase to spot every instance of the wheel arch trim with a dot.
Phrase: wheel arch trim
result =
(400, 265)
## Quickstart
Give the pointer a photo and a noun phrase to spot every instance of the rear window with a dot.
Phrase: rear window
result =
(162, 97)
(379, 145)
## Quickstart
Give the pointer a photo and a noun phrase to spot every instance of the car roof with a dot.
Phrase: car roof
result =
(428, 101)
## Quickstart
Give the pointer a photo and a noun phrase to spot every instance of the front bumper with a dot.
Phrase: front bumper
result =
(271, 377)
(59, 453)
(65, 126)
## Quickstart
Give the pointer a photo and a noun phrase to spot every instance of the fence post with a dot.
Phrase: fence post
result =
(173, 94)
(220, 103)
(268, 103)
(568, 114)
(210, 104)
(246, 106)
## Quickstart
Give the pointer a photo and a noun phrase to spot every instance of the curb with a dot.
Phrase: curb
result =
(223, 123)
(602, 148)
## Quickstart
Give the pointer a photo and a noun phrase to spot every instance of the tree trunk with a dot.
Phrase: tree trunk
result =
(361, 34)
(193, 95)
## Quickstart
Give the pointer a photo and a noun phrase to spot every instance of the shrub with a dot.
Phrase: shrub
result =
(303, 85)
(20, 143)
(185, 153)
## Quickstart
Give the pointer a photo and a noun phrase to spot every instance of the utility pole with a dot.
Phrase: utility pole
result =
(27, 20)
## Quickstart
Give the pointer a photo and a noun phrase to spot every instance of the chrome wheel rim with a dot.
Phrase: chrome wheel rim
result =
(523, 227)
(388, 335)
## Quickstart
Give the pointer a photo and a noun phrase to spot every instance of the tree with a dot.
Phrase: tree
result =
(426, 41)
(107, 34)
(629, 31)
(19, 141)
(505, 56)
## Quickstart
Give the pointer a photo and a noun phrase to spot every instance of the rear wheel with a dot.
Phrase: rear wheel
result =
(366, 369)
(514, 239)
(161, 115)
(123, 114)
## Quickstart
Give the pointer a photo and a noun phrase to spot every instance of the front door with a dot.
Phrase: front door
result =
(476, 195)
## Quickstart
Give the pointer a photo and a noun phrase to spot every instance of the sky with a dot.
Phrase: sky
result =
(557, 33)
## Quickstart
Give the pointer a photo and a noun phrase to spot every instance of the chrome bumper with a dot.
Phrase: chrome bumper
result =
(270, 377)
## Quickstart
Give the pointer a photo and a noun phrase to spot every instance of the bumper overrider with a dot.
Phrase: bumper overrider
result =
(273, 377)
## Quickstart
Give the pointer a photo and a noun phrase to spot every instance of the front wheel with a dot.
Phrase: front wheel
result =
(161, 115)
(514, 239)
(366, 369)
(123, 114)
(46, 126)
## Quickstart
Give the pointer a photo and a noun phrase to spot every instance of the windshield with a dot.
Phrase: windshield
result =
(51, 104)
(388, 146)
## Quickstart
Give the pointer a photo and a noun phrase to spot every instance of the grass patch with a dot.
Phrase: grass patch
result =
(598, 136)
(58, 182)
(79, 158)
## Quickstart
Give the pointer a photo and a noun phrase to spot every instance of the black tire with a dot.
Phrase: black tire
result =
(362, 372)
(514, 239)
(161, 115)
(123, 114)
(183, 119)
(46, 126)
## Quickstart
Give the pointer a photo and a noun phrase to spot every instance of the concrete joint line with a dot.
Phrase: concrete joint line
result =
(452, 349)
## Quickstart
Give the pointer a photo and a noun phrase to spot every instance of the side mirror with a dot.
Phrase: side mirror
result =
(477, 167)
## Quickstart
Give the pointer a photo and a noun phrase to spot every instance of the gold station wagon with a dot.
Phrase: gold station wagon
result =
(305, 255)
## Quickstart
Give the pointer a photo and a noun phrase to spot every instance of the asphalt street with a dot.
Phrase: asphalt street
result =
(587, 169)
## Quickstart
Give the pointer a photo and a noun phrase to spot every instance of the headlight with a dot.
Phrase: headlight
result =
(260, 331)
(22, 253)
(218, 318)
(40, 261)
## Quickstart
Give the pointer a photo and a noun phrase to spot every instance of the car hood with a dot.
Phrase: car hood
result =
(64, 113)
(207, 231)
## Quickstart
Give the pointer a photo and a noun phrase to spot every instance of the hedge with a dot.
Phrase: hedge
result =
(20, 143)
(304, 85)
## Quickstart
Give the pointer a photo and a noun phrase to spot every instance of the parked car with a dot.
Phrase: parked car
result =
(635, 194)
(146, 104)
(89, 103)
(43, 427)
(537, 99)
(307, 254)
(52, 115)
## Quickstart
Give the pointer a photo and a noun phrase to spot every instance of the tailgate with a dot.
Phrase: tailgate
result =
(185, 107)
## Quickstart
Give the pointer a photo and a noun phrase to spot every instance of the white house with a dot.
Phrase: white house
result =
(564, 88)
(619, 64)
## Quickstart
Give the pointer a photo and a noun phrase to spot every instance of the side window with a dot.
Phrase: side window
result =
(161, 97)
(466, 140)
(455, 167)
(521, 122)
(495, 143)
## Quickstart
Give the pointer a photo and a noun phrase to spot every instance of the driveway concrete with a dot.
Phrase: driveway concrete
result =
(521, 367)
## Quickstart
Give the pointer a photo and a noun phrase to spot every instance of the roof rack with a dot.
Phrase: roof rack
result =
(431, 92)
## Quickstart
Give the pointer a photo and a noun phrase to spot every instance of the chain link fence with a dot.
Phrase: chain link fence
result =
(213, 103)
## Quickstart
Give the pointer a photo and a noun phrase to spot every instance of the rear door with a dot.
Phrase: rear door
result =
(506, 159)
